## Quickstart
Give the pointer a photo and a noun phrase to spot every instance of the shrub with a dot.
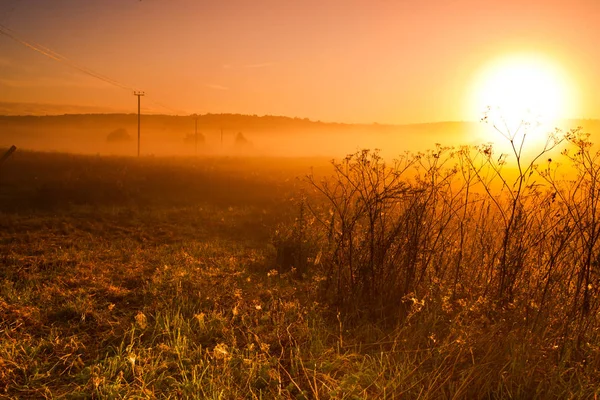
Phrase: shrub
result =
(465, 231)
(191, 138)
(118, 135)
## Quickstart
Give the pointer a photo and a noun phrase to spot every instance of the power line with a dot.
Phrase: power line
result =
(173, 110)
(65, 60)
(60, 58)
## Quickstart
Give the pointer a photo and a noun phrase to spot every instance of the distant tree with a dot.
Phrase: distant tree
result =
(241, 141)
(118, 135)
(190, 138)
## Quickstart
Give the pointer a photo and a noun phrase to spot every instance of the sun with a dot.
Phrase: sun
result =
(523, 88)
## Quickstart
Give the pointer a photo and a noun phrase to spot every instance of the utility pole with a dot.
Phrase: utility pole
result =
(196, 133)
(139, 95)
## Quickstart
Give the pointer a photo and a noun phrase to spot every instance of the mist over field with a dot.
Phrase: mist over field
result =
(234, 135)
(241, 135)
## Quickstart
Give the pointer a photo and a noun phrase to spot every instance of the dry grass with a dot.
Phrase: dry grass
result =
(157, 278)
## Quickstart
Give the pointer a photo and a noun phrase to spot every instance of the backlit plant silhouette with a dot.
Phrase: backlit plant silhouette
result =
(467, 231)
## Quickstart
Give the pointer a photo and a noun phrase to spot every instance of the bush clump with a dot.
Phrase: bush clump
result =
(466, 232)
(118, 136)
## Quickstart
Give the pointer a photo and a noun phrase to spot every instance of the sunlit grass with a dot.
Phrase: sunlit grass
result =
(182, 296)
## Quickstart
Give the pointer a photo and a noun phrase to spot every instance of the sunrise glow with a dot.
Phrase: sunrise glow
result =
(527, 88)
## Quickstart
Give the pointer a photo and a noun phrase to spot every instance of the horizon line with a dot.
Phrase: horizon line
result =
(305, 119)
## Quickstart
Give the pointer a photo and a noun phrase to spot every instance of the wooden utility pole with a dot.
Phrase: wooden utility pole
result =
(196, 133)
(139, 95)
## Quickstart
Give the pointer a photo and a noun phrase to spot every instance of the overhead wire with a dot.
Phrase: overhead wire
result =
(4, 30)
(60, 58)
(173, 110)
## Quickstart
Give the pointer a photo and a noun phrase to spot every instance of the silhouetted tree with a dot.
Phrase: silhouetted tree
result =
(241, 141)
(118, 135)
(190, 138)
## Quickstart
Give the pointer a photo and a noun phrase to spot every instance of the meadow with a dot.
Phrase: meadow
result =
(433, 276)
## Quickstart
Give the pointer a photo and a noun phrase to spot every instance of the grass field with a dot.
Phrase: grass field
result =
(159, 278)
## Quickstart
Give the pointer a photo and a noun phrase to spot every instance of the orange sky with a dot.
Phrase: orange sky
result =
(388, 61)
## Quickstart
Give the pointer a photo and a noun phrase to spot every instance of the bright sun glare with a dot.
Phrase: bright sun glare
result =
(524, 88)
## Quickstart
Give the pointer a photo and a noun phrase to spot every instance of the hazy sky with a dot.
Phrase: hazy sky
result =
(389, 61)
